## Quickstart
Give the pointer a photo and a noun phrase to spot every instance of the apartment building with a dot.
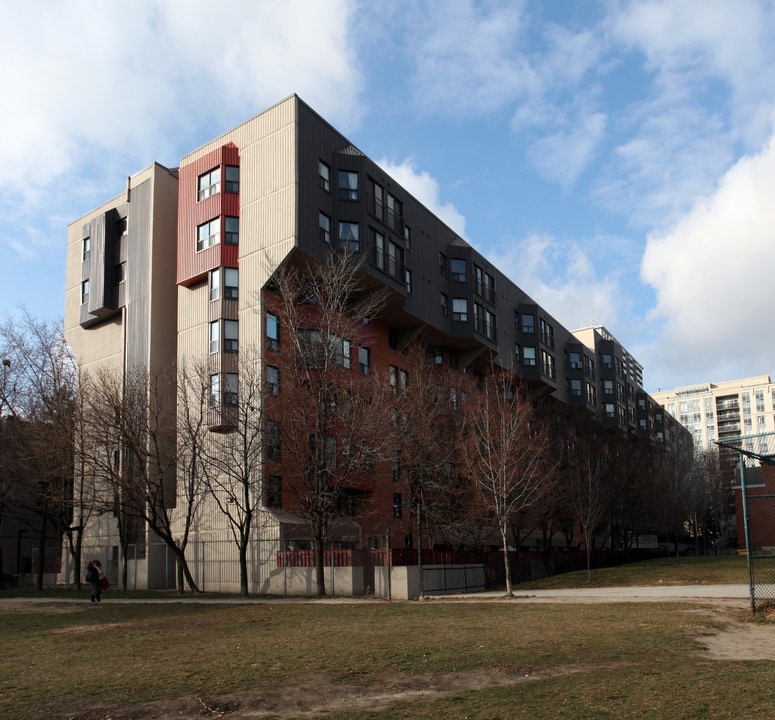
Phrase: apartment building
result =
(721, 410)
(178, 270)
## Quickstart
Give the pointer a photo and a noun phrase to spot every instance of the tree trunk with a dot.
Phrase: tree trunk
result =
(506, 563)
(320, 571)
(41, 553)
(243, 568)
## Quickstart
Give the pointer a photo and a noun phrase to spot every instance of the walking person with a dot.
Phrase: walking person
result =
(94, 576)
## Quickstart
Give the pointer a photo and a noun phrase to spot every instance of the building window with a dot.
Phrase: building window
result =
(377, 204)
(214, 337)
(209, 184)
(348, 185)
(460, 309)
(403, 379)
(547, 334)
(395, 213)
(398, 506)
(86, 249)
(591, 395)
(274, 492)
(208, 234)
(529, 356)
(443, 264)
(528, 324)
(409, 281)
(394, 379)
(547, 364)
(607, 361)
(231, 283)
(324, 176)
(232, 179)
(230, 336)
(215, 391)
(348, 236)
(378, 243)
(608, 387)
(485, 284)
(574, 360)
(458, 270)
(444, 300)
(272, 332)
(408, 237)
(395, 466)
(273, 440)
(435, 353)
(230, 389)
(364, 361)
(84, 292)
(324, 223)
(215, 284)
(609, 409)
(574, 387)
(395, 259)
(231, 234)
(345, 355)
(273, 380)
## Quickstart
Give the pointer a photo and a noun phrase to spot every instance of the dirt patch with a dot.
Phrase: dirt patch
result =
(742, 641)
(320, 697)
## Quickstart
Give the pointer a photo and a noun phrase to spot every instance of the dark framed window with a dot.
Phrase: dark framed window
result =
(231, 230)
(232, 179)
(324, 176)
(458, 270)
(349, 236)
(348, 185)
(273, 380)
(274, 491)
(324, 224)
(272, 332)
(231, 283)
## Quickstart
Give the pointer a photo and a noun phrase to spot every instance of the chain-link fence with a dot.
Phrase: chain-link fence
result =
(755, 509)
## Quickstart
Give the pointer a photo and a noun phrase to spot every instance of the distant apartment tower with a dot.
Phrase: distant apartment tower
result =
(177, 271)
(722, 410)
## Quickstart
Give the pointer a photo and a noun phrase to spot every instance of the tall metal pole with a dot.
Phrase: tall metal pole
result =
(748, 552)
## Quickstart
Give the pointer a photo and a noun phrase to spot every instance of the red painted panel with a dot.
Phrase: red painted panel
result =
(192, 266)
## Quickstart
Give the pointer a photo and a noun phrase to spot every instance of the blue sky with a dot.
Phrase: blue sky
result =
(615, 159)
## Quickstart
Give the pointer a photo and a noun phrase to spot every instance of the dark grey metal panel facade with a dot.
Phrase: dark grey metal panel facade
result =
(138, 254)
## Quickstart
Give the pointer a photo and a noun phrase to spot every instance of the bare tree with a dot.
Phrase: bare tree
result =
(506, 450)
(335, 412)
(585, 483)
(38, 394)
(231, 460)
(424, 452)
(135, 415)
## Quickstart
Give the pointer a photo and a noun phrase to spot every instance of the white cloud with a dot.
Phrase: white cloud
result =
(425, 189)
(712, 275)
(466, 58)
(562, 278)
(562, 156)
(138, 79)
(708, 97)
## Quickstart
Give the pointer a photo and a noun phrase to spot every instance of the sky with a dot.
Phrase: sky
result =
(615, 159)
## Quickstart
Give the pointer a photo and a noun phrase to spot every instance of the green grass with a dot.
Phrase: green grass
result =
(491, 660)
(704, 570)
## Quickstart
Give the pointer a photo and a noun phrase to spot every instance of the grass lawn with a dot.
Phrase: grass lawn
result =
(382, 660)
